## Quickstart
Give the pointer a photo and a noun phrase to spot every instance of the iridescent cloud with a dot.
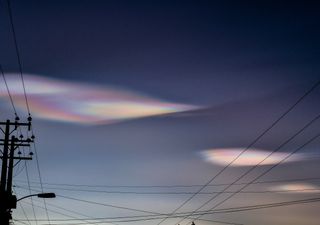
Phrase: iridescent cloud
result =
(83, 103)
(296, 188)
(250, 158)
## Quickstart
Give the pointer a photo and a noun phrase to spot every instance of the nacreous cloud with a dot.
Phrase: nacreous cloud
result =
(251, 157)
(296, 188)
(83, 103)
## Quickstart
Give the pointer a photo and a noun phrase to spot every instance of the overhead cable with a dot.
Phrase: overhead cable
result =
(249, 146)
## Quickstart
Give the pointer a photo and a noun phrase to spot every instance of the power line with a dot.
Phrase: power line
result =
(107, 205)
(22, 80)
(18, 54)
(20, 222)
(268, 170)
(255, 166)
(19, 171)
(102, 222)
(24, 89)
(248, 147)
(177, 193)
(181, 214)
(40, 179)
(64, 214)
(29, 188)
(103, 204)
(171, 186)
(27, 176)
(23, 211)
(8, 91)
(222, 222)
(71, 211)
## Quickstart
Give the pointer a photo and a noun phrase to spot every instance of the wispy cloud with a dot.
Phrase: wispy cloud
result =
(251, 157)
(60, 100)
(296, 188)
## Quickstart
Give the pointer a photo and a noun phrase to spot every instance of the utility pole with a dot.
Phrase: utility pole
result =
(8, 201)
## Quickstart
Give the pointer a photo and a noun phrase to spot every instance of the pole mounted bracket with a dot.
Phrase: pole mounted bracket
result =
(8, 201)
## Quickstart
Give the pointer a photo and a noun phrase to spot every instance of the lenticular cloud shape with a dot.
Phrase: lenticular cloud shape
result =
(296, 188)
(83, 103)
(250, 157)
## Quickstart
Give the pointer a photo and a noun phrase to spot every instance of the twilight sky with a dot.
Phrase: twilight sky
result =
(131, 98)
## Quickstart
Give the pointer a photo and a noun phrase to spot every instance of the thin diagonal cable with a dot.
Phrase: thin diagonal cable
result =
(221, 222)
(8, 90)
(23, 211)
(173, 193)
(249, 146)
(268, 170)
(17, 53)
(148, 219)
(101, 204)
(67, 215)
(101, 222)
(204, 212)
(171, 186)
(108, 205)
(9, 94)
(72, 211)
(19, 170)
(40, 178)
(27, 174)
(20, 221)
(28, 179)
(258, 164)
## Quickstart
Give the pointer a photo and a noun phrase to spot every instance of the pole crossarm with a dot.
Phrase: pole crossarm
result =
(20, 158)
(8, 201)
(17, 145)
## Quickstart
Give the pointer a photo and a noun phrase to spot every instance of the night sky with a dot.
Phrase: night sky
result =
(131, 98)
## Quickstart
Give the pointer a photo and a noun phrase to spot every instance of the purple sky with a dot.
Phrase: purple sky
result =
(166, 81)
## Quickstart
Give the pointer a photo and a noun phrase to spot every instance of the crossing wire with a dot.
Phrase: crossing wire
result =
(23, 83)
(66, 215)
(27, 175)
(172, 186)
(102, 204)
(24, 88)
(264, 173)
(255, 166)
(248, 147)
(8, 90)
(72, 211)
(177, 193)
(40, 178)
(21, 222)
(108, 205)
(22, 209)
(204, 212)
(17, 53)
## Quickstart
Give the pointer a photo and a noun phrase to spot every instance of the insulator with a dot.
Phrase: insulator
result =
(17, 118)
(29, 118)
(21, 136)
(33, 137)
(31, 153)
(19, 153)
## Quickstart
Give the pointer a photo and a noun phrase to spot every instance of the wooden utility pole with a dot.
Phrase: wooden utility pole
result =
(8, 201)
